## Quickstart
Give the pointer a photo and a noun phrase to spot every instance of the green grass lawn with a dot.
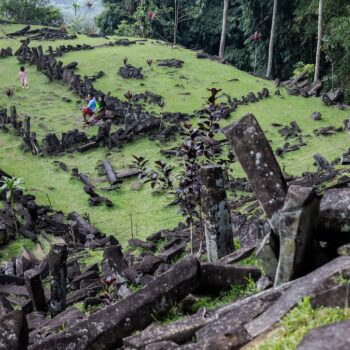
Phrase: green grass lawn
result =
(184, 90)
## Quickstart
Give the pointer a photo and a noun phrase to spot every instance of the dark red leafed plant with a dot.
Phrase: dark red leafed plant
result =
(108, 288)
(151, 15)
(129, 95)
(140, 163)
(125, 60)
(150, 62)
(89, 4)
(256, 37)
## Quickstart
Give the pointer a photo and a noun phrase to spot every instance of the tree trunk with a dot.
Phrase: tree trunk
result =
(176, 19)
(224, 29)
(319, 41)
(272, 39)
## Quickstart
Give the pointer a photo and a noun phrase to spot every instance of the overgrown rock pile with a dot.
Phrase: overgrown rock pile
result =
(128, 71)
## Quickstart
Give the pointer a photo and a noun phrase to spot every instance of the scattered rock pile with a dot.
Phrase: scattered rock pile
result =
(128, 71)
(300, 85)
(170, 62)
(43, 34)
(6, 52)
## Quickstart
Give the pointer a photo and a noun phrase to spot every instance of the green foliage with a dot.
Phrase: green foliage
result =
(290, 331)
(300, 67)
(10, 185)
(125, 29)
(32, 11)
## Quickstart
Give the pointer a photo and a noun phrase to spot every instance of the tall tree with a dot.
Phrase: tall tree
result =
(182, 13)
(319, 41)
(272, 39)
(224, 29)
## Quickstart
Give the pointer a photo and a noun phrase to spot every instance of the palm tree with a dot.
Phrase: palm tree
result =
(272, 39)
(319, 41)
(224, 29)
(75, 6)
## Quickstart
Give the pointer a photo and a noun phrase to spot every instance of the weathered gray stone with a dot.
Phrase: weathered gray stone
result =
(259, 163)
(162, 345)
(298, 220)
(332, 337)
(302, 287)
(105, 329)
(35, 289)
(114, 258)
(5, 306)
(338, 296)
(215, 276)
(13, 331)
(58, 278)
(184, 330)
(217, 219)
(335, 216)
(267, 255)
(238, 255)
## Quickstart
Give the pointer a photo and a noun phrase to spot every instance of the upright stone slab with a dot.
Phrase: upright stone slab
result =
(58, 278)
(259, 163)
(217, 219)
(35, 289)
(298, 220)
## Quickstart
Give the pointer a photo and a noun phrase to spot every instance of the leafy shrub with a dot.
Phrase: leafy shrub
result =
(300, 67)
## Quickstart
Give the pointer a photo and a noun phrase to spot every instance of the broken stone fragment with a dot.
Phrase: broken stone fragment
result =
(13, 331)
(334, 224)
(330, 337)
(217, 219)
(214, 276)
(254, 153)
(298, 219)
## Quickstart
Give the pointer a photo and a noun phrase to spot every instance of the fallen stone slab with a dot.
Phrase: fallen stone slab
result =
(168, 255)
(183, 331)
(214, 275)
(64, 319)
(338, 296)
(8, 289)
(13, 331)
(237, 256)
(137, 243)
(162, 345)
(331, 337)
(11, 279)
(259, 163)
(105, 329)
(305, 286)
(83, 293)
(148, 265)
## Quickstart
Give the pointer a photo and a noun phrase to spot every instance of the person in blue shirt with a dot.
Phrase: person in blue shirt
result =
(90, 108)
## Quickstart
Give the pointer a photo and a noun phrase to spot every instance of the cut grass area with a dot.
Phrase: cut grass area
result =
(290, 331)
(43, 102)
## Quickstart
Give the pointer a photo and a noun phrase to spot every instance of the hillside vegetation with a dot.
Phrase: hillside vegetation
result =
(184, 90)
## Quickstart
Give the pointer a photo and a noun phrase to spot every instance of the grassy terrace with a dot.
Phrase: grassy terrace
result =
(184, 90)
